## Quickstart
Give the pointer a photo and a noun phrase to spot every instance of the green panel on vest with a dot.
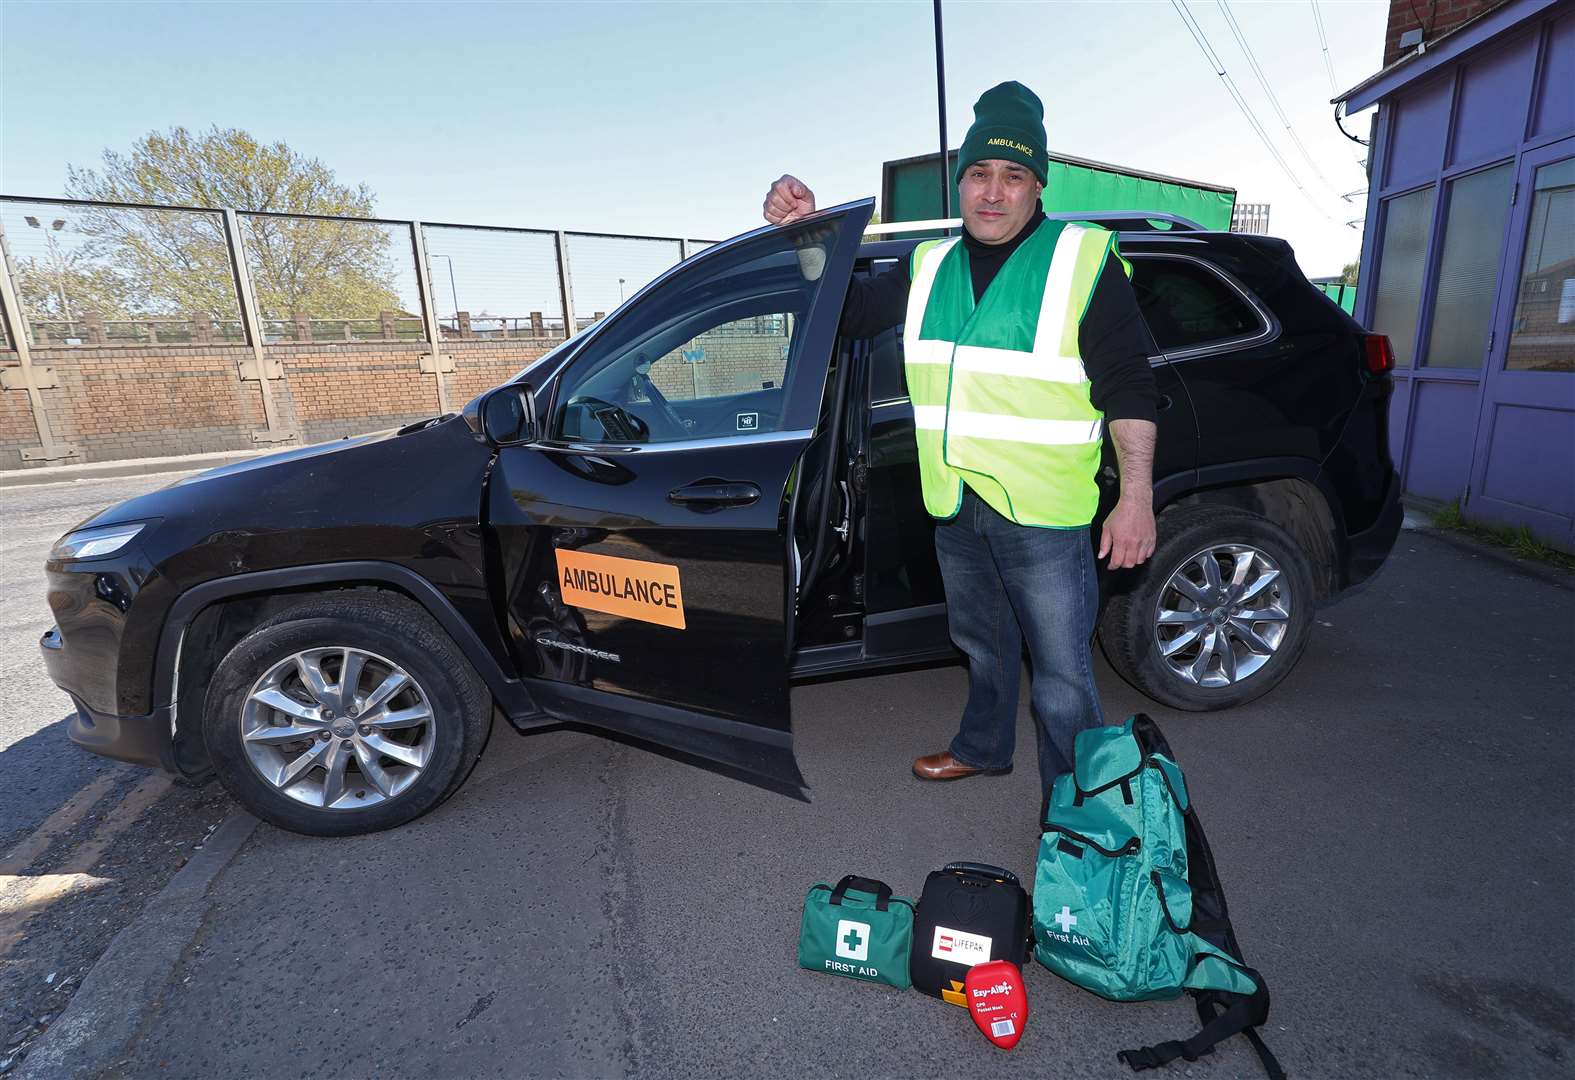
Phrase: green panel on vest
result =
(1007, 315)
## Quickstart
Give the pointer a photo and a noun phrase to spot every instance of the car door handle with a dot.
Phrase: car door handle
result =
(714, 493)
(1165, 402)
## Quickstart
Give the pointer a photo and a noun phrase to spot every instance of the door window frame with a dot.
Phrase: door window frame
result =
(1513, 272)
(797, 405)
(1268, 325)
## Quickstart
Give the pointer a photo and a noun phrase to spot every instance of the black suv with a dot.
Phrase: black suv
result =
(657, 526)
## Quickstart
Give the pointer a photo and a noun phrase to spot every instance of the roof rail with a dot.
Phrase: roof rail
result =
(1119, 220)
(1136, 221)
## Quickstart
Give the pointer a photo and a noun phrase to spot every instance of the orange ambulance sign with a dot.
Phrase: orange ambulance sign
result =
(650, 592)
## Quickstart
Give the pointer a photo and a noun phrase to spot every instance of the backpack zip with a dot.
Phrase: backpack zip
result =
(1128, 848)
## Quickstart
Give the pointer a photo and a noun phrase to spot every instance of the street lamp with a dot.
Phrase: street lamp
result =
(620, 290)
(54, 257)
(454, 293)
(940, 98)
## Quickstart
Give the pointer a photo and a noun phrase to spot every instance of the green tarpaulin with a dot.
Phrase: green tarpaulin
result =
(911, 191)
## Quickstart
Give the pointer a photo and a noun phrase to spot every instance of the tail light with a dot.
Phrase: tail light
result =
(1380, 355)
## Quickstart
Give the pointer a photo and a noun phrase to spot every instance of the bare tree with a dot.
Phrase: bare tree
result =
(177, 261)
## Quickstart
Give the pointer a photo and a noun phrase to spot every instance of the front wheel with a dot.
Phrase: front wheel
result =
(1220, 615)
(348, 713)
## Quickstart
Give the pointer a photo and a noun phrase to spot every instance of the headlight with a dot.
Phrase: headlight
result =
(92, 543)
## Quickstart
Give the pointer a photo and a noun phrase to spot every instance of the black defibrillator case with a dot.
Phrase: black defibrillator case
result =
(968, 913)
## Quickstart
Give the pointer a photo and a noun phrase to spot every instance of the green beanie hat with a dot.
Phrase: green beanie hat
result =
(1009, 124)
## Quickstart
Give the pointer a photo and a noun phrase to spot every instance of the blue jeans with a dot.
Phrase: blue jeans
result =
(1007, 583)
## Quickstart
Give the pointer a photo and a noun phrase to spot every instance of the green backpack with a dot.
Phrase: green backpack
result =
(1127, 902)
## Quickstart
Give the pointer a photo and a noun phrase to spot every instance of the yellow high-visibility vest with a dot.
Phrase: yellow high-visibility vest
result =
(1000, 398)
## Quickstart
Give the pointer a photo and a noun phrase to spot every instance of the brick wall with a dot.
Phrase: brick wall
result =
(733, 364)
(124, 403)
(155, 401)
(1435, 17)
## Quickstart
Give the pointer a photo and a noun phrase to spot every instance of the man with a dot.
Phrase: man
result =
(1022, 339)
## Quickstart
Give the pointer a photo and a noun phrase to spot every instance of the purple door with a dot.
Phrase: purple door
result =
(1523, 464)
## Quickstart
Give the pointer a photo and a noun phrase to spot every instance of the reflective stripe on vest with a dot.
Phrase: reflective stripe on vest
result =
(1001, 401)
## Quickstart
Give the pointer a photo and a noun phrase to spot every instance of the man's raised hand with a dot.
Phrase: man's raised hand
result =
(788, 200)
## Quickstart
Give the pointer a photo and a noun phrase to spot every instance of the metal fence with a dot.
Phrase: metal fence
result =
(85, 274)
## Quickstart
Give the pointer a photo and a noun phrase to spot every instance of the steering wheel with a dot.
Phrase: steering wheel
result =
(643, 380)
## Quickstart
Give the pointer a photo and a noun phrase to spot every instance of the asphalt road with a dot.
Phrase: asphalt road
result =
(37, 773)
(1391, 825)
(84, 842)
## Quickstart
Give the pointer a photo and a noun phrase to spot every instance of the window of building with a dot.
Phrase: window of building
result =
(1468, 269)
(1402, 261)
(1542, 337)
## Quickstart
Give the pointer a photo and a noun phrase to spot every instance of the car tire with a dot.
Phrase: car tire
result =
(1199, 646)
(290, 745)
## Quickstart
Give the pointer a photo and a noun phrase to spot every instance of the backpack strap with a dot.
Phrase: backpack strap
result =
(1144, 729)
(1238, 1014)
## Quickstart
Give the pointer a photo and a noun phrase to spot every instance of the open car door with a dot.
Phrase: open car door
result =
(645, 538)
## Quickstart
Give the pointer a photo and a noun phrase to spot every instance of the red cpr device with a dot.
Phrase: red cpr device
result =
(997, 1001)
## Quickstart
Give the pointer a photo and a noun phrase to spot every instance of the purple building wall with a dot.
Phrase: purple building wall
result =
(1474, 169)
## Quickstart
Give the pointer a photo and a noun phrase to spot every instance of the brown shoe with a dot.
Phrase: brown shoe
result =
(943, 766)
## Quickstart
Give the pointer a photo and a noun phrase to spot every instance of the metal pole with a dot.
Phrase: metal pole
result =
(940, 98)
(60, 277)
(259, 367)
(453, 292)
(436, 362)
(565, 286)
(29, 377)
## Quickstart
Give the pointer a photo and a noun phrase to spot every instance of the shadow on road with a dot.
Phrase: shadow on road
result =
(40, 773)
(88, 841)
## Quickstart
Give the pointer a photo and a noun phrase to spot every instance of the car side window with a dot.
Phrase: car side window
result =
(887, 381)
(1189, 306)
(708, 354)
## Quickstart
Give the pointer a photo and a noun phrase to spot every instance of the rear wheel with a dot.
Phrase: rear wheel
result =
(1221, 614)
(348, 713)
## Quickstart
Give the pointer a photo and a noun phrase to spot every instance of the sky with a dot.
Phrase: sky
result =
(673, 118)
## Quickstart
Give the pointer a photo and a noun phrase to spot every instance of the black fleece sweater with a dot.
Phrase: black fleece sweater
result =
(1114, 340)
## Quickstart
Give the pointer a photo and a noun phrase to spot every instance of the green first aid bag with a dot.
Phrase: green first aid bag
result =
(858, 929)
(1127, 902)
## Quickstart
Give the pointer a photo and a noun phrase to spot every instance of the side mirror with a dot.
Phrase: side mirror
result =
(508, 415)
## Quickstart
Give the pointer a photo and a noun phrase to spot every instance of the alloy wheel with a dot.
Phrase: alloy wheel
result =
(338, 728)
(1222, 615)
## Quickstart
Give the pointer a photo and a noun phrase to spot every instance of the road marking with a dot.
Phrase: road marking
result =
(117, 821)
(24, 896)
(61, 821)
